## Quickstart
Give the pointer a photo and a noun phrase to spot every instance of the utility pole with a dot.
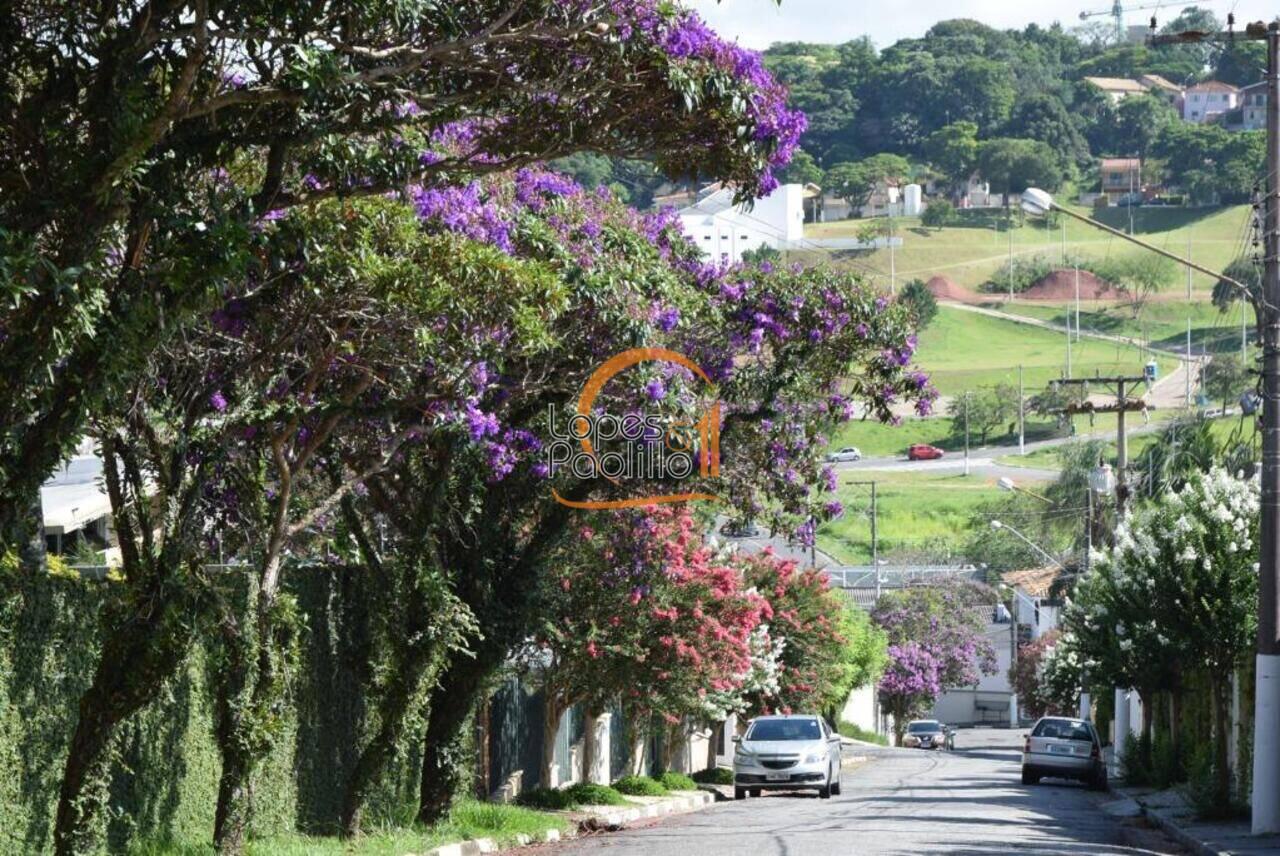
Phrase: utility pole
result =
(1122, 406)
(1011, 255)
(893, 262)
(1266, 720)
(966, 432)
(1189, 362)
(1069, 341)
(1064, 241)
(875, 542)
(1077, 303)
(1022, 433)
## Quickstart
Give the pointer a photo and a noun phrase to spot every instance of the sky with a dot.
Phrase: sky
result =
(759, 23)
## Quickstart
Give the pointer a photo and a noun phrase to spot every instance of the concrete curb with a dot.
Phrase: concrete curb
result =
(615, 817)
(1178, 834)
(475, 846)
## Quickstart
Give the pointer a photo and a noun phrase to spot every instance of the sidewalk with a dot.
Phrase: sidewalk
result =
(1169, 811)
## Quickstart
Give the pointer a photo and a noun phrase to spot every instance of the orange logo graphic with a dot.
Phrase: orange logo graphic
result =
(683, 443)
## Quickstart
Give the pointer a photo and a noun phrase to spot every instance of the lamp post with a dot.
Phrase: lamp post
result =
(999, 526)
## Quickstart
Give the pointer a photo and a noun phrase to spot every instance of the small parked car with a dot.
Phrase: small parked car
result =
(848, 453)
(923, 452)
(740, 529)
(925, 734)
(1062, 748)
(788, 753)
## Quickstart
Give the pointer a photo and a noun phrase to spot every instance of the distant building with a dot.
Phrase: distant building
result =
(1157, 85)
(1206, 101)
(724, 230)
(1120, 178)
(1253, 107)
(1117, 88)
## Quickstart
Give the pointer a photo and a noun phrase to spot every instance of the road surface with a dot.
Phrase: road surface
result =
(967, 803)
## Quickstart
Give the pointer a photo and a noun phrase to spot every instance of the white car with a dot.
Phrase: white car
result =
(786, 753)
(848, 453)
(1064, 748)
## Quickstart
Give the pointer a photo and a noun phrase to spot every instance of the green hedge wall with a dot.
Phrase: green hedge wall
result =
(163, 782)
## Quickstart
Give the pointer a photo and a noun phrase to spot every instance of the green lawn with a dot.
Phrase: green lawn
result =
(469, 819)
(1163, 323)
(970, 253)
(915, 511)
(964, 350)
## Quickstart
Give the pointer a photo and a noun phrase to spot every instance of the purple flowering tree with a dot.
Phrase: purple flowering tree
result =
(937, 641)
(149, 139)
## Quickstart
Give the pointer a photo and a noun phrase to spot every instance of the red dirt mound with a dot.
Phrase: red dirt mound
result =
(1061, 285)
(944, 289)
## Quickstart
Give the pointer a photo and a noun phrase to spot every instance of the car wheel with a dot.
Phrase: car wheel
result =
(1098, 781)
(755, 792)
(824, 792)
(739, 793)
(835, 785)
(1029, 778)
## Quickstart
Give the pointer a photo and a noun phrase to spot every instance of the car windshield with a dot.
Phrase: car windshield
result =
(1063, 729)
(785, 729)
(923, 727)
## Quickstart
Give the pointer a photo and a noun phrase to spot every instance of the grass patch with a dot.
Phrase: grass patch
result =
(673, 781)
(848, 729)
(917, 513)
(640, 786)
(469, 819)
(714, 776)
(963, 350)
(574, 796)
(971, 251)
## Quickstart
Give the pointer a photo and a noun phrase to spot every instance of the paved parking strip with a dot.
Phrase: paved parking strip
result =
(963, 803)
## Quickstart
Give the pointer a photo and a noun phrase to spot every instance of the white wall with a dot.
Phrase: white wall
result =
(776, 220)
(860, 708)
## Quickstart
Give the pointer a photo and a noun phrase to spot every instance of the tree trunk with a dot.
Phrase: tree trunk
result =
(1221, 724)
(451, 703)
(1175, 724)
(375, 757)
(136, 660)
(638, 741)
(551, 713)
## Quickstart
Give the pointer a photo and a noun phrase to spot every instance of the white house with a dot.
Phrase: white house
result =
(1205, 101)
(1253, 107)
(724, 230)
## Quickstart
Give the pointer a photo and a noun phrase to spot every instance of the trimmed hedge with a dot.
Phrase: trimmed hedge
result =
(162, 785)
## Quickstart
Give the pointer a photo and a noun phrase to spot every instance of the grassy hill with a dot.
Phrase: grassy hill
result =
(972, 252)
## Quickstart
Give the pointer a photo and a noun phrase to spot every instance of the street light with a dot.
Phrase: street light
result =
(1038, 203)
(998, 526)
(1006, 483)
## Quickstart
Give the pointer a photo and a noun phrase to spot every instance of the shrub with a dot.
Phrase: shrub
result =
(714, 776)
(639, 786)
(1200, 787)
(939, 213)
(1137, 760)
(678, 782)
(1166, 768)
(920, 302)
(562, 799)
(857, 732)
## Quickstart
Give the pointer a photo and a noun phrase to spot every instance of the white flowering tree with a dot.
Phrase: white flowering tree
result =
(1177, 591)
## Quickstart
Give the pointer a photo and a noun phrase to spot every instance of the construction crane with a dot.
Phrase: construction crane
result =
(1117, 11)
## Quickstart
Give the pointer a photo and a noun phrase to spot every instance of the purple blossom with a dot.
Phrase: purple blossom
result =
(218, 401)
(655, 389)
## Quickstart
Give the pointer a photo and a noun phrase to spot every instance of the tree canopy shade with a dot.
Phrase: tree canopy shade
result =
(121, 123)
(1012, 165)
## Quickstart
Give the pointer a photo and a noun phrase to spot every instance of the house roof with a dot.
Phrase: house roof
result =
(1033, 582)
(1155, 81)
(1213, 86)
(1116, 84)
(712, 203)
(1121, 163)
(1261, 84)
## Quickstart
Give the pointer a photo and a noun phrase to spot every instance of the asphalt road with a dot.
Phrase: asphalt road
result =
(964, 803)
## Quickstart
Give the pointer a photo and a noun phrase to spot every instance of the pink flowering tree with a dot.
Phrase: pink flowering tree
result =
(937, 641)
(637, 608)
(826, 648)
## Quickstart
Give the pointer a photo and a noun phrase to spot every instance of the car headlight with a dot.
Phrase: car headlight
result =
(741, 757)
(813, 758)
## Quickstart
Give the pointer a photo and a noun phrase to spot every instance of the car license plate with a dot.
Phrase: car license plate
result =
(1060, 750)
(777, 777)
